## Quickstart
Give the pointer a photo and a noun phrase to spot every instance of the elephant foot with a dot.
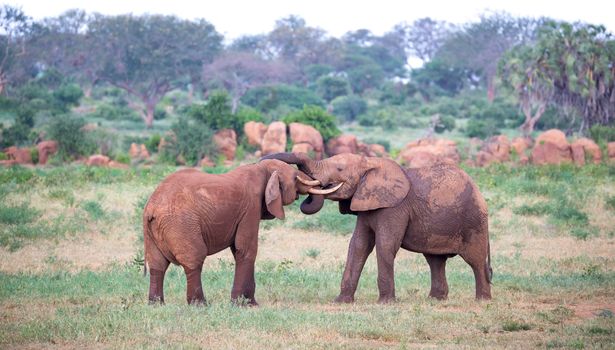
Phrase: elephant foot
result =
(483, 297)
(386, 300)
(344, 299)
(242, 301)
(156, 301)
(438, 295)
(198, 302)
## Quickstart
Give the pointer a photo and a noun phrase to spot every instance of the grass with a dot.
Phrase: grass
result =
(71, 276)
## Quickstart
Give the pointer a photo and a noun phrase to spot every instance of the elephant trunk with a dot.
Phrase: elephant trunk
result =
(312, 204)
(303, 162)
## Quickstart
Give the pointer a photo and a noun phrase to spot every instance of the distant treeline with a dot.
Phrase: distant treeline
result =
(541, 64)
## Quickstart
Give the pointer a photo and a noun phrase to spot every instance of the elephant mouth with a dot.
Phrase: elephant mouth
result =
(330, 188)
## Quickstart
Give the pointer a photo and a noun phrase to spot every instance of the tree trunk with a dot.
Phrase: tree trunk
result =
(530, 120)
(490, 89)
(150, 108)
(234, 104)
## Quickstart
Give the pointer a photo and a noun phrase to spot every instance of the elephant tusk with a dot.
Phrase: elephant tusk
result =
(327, 191)
(308, 182)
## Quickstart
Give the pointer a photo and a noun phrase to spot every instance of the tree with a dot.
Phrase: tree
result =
(330, 87)
(151, 54)
(237, 72)
(14, 27)
(424, 37)
(570, 68)
(477, 47)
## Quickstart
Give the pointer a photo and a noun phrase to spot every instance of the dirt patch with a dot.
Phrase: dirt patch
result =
(591, 310)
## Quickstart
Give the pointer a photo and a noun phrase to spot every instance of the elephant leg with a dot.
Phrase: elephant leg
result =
(478, 262)
(244, 251)
(388, 242)
(439, 286)
(361, 245)
(157, 264)
(244, 285)
(194, 289)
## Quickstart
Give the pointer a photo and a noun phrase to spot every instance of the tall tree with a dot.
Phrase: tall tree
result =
(424, 37)
(478, 46)
(150, 55)
(570, 67)
(237, 72)
(14, 27)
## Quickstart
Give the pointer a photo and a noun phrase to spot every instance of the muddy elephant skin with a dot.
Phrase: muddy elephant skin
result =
(192, 215)
(436, 210)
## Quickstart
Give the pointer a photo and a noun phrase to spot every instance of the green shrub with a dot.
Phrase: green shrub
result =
(602, 134)
(160, 113)
(533, 210)
(444, 123)
(72, 140)
(216, 114)
(192, 141)
(610, 202)
(122, 157)
(115, 112)
(152, 143)
(3, 156)
(94, 209)
(316, 117)
(270, 97)
(348, 108)
(330, 87)
(17, 215)
(481, 128)
(515, 326)
(34, 155)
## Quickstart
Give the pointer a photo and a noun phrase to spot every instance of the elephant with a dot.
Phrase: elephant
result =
(192, 215)
(436, 210)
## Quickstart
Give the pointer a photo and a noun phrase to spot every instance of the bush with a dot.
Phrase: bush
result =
(349, 107)
(330, 87)
(316, 117)
(602, 134)
(216, 114)
(152, 143)
(481, 128)
(160, 113)
(192, 141)
(271, 97)
(72, 140)
(115, 112)
(444, 123)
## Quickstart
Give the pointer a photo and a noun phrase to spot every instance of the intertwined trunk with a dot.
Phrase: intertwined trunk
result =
(531, 118)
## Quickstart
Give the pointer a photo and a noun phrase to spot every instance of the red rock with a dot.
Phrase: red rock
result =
(134, 151)
(520, 145)
(610, 147)
(578, 154)
(97, 160)
(19, 155)
(590, 148)
(143, 152)
(274, 140)
(302, 133)
(117, 165)
(206, 162)
(342, 144)
(46, 149)
(440, 149)
(304, 148)
(551, 147)
(226, 143)
(254, 131)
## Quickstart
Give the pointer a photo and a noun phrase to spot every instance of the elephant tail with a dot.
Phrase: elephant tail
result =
(147, 234)
(489, 270)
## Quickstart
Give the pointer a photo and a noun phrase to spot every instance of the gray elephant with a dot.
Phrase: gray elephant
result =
(437, 211)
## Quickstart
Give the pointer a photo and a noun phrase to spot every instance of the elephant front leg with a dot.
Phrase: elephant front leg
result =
(387, 244)
(361, 245)
(244, 251)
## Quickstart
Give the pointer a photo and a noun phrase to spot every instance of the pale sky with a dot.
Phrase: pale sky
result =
(234, 18)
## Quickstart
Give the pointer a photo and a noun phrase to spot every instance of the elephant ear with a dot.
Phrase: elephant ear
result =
(273, 196)
(383, 185)
(344, 207)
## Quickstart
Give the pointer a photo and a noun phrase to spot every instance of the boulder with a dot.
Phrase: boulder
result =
(520, 145)
(143, 152)
(415, 153)
(133, 152)
(551, 147)
(590, 148)
(226, 143)
(97, 160)
(377, 150)
(206, 162)
(304, 148)
(496, 149)
(274, 140)
(342, 144)
(610, 147)
(46, 149)
(578, 154)
(19, 155)
(117, 165)
(254, 131)
(306, 134)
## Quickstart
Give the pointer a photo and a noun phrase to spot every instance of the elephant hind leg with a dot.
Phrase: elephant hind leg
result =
(157, 264)
(437, 266)
(194, 290)
(481, 269)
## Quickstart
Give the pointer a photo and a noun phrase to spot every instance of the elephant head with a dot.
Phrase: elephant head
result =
(359, 183)
(283, 187)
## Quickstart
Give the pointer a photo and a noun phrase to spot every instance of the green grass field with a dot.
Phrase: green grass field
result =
(70, 246)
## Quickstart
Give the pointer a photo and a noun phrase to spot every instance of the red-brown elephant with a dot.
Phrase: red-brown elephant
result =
(192, 215)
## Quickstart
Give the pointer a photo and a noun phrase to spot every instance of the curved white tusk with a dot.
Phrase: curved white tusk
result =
(327, 191)
(308, 182)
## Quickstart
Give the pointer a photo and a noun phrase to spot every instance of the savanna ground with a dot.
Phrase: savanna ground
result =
(70, 274)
